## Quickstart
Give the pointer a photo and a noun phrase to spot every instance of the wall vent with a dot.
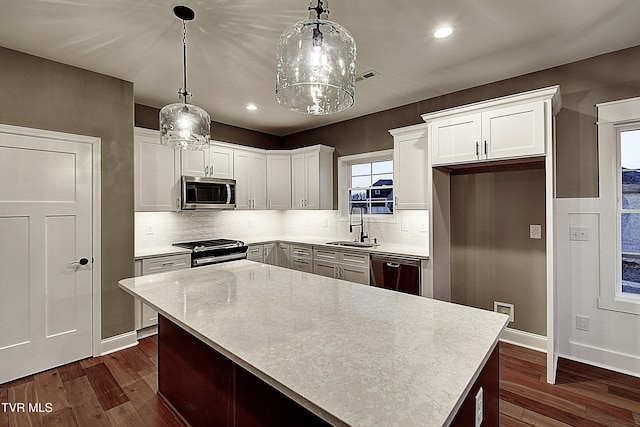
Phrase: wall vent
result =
(366, 75)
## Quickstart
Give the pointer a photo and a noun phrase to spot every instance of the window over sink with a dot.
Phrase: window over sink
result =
(366, 183)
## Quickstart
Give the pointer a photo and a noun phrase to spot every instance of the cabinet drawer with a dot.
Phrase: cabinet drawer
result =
(326, 255)
(302, 264)
(167, 263)
(255, 253)
(301, 251)
(361, 260)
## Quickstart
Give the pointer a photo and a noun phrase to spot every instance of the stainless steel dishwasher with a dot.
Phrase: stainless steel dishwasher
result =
(396, 273)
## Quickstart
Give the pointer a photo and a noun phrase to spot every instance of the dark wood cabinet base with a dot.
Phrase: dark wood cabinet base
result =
(208, 389)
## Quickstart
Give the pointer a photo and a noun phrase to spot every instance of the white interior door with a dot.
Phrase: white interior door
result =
(45, 225)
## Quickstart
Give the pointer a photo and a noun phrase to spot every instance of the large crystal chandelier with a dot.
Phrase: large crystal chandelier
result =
(316, 67)
(184, 125)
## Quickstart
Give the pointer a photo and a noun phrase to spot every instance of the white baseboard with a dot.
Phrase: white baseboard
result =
(147, 332)
(118, 342)
(525, 339)
(628, 364)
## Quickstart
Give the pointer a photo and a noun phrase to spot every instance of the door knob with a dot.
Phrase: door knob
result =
(80, 262)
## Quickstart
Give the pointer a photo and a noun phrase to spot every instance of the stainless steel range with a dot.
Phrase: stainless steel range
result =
(204, 252)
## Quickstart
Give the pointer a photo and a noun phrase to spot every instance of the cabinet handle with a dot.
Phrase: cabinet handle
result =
(477, 149)
(486, 148)
(177, 203)
(169, 264)
(395, 201)
(393, 265)
(341, 272)
(206, 171)
(335, 271)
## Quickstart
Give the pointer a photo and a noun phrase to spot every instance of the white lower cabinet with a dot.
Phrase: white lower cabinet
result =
(270, 253)
(283, 256)
(353, 267)
(146, 316)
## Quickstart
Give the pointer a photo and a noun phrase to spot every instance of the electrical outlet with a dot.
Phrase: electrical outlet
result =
(504, 308)
(150, 229)
(579, 234)
(582, 323)
(405, 226)
(423, 227)
(535, 231)
(250, 223)
(306, 222)
(479, 408)
(325, 223)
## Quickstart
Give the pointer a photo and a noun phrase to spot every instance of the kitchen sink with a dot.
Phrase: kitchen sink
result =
(353, 244)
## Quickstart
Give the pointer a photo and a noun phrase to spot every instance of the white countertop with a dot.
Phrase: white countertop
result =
(157, 251)
(352, 354)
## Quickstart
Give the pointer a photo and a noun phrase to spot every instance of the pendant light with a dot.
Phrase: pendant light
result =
(184, 125)
(316, 65)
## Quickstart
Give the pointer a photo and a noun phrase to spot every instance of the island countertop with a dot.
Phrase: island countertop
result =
(350, 353)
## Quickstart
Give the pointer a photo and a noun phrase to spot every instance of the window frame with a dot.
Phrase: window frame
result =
(344, 176)
(620, 128)
(612, 118)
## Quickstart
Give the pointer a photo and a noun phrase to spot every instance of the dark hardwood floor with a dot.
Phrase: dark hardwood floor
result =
(119, 389)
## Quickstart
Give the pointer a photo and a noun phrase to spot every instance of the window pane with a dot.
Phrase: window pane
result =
(379, 180)
(383, 167)
(357, 195)
(361, 181)
(361, 169)
(382, 208)
(630, 230)
(631, 273)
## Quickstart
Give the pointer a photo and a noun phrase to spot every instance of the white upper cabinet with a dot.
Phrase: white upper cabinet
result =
(312, 177)
(216, 162)
(411, 170)
(250, 173)
(278, 181)
(511, 127)
(156, 172)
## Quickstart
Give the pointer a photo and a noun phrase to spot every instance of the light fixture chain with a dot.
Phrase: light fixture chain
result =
(185, 92)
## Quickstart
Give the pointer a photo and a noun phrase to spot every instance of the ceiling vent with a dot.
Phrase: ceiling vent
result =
(366, 75)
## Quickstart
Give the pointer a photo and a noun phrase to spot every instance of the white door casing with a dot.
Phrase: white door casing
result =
(47, 186)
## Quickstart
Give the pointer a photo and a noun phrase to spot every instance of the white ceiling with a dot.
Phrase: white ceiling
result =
(232, 46)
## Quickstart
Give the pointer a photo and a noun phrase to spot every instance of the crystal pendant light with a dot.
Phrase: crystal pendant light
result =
(184, 125)
(316, 65)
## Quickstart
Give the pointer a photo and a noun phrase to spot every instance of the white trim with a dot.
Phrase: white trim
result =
(524, 339)
(628, 364)
(118, 342)
(96, 150)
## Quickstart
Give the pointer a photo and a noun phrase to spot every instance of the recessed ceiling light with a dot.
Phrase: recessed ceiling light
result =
(251, 107)
(443, 32)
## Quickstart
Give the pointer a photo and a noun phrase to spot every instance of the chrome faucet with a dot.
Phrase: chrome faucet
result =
(363, 235)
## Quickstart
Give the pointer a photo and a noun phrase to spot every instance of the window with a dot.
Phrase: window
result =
(366, 183)
(628, 171)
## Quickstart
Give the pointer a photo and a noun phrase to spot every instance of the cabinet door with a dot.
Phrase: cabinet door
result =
(325, 268)
(271, 253)
(456, 140)
(194, 162)
(354, 274)
(312, 172)
(220, 162)
(257, 180)
(513, 132)
(298, 181)
(411, 177)
(284, 256)
(156, 173)
(241, 174)
(279, 182)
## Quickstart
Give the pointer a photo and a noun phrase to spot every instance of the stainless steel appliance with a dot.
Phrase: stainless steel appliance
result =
(207, 193)
(396, 273)
(204, 252)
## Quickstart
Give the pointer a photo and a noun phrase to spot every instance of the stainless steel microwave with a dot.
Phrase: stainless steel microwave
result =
(208, 193)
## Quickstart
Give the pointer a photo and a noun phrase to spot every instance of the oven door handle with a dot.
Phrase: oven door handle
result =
(215, 259)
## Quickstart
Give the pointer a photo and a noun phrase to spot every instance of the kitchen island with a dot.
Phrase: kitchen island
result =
(242, 343)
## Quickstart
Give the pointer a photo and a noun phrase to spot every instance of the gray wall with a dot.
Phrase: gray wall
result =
(582, 85)
(147, 117)
(42, 94)
(492, 256)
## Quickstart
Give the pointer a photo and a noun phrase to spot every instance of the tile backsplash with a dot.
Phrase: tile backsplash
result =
(164, 228)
